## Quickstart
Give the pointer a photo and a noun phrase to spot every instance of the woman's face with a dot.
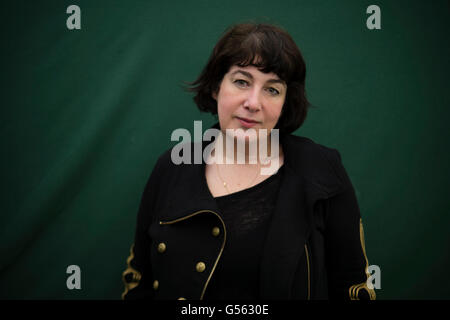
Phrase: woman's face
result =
(249, 98)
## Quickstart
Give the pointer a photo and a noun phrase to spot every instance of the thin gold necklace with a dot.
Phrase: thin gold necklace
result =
(225, 185)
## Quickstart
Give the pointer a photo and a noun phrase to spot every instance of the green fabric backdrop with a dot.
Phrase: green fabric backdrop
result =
(85, 114)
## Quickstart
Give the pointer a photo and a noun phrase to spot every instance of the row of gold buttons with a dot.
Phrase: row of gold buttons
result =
(200, 267)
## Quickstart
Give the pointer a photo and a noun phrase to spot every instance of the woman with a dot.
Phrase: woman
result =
(226, 231)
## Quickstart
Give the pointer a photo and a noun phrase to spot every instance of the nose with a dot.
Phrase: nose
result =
(252, 102)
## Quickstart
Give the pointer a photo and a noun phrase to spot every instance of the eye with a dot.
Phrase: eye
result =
(241, 83)
(273, 91)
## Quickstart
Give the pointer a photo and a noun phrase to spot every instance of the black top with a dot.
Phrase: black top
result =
(246, 214)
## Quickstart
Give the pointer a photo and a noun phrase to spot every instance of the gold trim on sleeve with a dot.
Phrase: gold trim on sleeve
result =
(136, 274)
(353, 291)
(309, 272)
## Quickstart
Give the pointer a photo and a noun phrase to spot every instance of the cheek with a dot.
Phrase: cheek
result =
(227, 101)
(275, 112)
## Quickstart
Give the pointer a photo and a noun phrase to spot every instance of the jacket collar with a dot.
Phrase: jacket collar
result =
(193, 192)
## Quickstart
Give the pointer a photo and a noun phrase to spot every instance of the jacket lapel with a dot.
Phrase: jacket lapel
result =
(192, 194)
(290, 226)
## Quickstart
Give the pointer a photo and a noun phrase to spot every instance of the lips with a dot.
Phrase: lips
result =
(248, 123)
(247, 120)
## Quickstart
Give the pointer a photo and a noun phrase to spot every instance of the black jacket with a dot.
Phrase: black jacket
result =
(314, 247)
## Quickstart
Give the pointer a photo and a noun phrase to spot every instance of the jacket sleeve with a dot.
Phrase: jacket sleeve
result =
(347, 263)
(137, 277)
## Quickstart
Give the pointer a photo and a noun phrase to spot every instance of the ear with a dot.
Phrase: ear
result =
(214, 95)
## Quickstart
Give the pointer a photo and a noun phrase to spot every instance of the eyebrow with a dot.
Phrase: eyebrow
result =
(249, 75)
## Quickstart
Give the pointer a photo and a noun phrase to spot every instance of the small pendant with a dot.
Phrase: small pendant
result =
(224, 184)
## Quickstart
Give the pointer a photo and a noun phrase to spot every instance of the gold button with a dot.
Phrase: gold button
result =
(215, 231)
(200, 267)
(156, 284)
(181, 298)
(161, 247)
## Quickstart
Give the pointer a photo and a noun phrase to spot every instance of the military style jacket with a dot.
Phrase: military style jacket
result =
(314, 248)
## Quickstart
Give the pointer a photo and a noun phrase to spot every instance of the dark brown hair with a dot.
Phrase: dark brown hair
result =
(270, 49)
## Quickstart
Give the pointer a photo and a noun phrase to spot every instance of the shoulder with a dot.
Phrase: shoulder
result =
(319, 165)
(164, 164)
(305, 149)
(179, 155)
(178, 162)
